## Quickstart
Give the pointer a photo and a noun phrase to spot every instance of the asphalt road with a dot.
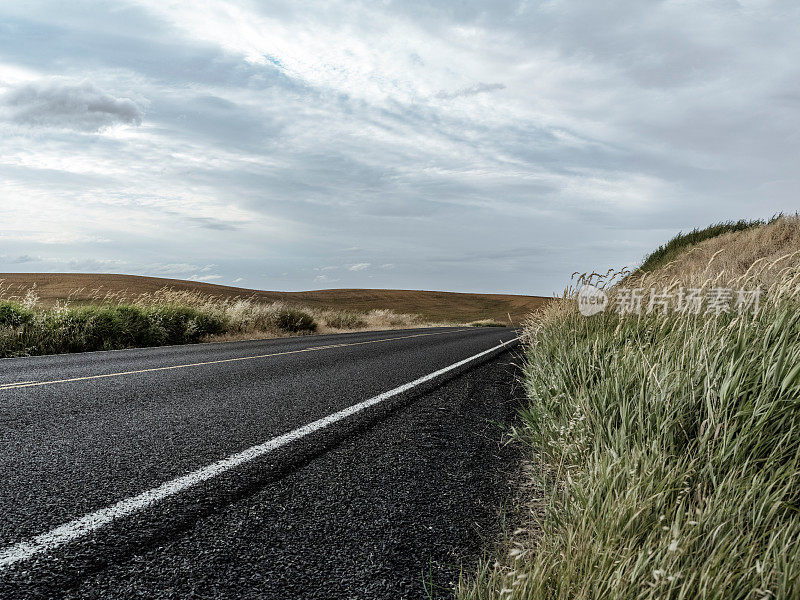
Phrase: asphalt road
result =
(386, 502)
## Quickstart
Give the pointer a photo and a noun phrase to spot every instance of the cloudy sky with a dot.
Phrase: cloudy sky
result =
(488, 146)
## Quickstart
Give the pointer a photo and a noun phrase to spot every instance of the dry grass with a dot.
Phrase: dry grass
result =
(40, 315)
(430, 306)
(488, 323)
(729, 257)
(667, 445)
(105, 320)
(681, 242)
(251, 314)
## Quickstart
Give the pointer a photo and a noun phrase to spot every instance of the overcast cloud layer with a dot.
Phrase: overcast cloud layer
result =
(485, 146)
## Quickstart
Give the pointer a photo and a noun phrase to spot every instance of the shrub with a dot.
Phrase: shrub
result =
(164, 317)
(104, 327)
(294, 320)
(14, 315)
(385, 317)
(94, 328)
(138, 329)
(185, 324)
(211, 323)
(344, 320)
(486, 323)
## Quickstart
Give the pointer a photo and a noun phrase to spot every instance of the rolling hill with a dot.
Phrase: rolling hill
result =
(432, 305)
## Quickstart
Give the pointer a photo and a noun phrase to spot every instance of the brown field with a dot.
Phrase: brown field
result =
(432, 306)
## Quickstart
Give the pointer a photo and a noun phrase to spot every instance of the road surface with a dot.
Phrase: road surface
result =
(364, 465)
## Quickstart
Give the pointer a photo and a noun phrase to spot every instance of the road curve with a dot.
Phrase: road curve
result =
(370, 501)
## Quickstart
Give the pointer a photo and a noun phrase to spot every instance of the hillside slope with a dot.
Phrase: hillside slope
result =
(664, 445)
(431, 305)
(731, 255)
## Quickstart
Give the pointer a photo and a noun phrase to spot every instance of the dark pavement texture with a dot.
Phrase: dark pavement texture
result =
(368, 508)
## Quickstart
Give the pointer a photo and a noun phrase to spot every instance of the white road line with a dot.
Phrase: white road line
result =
(77, 528)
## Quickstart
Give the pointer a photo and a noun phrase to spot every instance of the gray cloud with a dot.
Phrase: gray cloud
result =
(214, 224)
(324, 139)
(472, 90)
(59, 104)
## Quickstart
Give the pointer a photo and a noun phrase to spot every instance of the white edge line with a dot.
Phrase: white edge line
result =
(84, 525)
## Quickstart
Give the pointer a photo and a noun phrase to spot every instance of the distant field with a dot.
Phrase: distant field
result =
(433, 306)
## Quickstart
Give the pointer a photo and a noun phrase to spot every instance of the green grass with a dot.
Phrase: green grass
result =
(25, 331)
(667, 252)
(669, 449)
(166, 316)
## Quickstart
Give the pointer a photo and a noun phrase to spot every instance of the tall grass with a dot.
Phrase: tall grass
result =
(487, 323)
(749, 253)
(164, 317)
(669, 453)
(85, 328)
(677, 245)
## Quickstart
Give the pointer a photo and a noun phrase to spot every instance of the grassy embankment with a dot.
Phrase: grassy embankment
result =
(665, 448)
(683, 241)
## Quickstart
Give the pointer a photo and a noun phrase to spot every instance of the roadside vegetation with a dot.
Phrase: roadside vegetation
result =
(431, 306)
(487, 323)
(665, 445)
(677, 245)
(165, 317)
